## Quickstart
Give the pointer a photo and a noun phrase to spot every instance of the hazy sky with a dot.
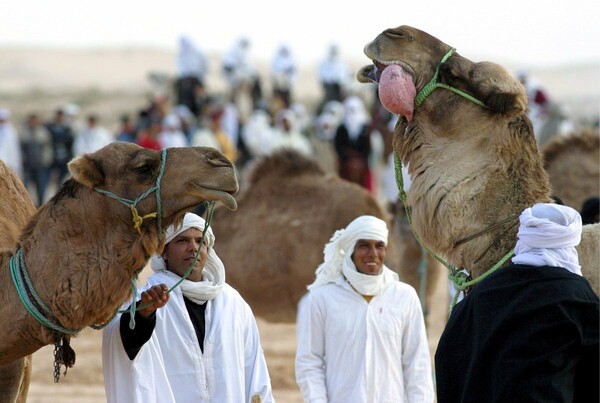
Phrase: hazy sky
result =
(520, 32)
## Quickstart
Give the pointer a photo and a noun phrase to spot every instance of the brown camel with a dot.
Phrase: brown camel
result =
(82, 250)
(274, 242)
(469, 146)
(573, 164)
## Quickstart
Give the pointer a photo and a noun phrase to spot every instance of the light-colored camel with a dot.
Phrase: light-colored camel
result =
(82, 249)
(573, 164)
(473, 168)
(274, 242)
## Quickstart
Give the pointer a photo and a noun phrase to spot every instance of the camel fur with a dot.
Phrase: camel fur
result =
(573, 164)
(81, 249)
(473, 169)
(274, 242)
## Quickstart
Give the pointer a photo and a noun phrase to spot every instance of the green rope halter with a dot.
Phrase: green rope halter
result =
(23, 282)
(24, 286)
(433, 84)
(460, 279)
(137, 219)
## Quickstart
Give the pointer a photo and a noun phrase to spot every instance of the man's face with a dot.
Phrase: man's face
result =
(181, 252)
(368, 256)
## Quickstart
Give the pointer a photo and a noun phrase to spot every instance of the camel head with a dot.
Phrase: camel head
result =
(170, 183)
(405, 61)
(464, 134)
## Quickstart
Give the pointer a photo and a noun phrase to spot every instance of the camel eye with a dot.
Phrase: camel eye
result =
(144, 165)
(146, 169)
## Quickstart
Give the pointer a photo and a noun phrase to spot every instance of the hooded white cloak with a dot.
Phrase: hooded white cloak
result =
(170, 367)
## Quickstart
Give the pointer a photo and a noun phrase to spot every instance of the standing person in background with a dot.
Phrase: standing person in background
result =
(361, 332)
(352, 144)
(192, 68)
(127, 131)
(333, 74)
(538, 101)
(36, 145)
(284, 71)
(10, 149)
(148, 135)
(91, 138)
(171, 134)
(242, 77)
(527, 332)
(62, 145)
(198, 343)
(214, 136)
(287, 135)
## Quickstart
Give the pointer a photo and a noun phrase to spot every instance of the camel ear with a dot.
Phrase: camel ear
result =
(488, 82)
(85, 171)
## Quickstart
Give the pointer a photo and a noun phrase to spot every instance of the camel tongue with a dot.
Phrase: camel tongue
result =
(397, 91)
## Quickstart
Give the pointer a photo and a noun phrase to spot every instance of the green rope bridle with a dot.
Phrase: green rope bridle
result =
(137, 219)
(433, 85)
(30, 299)
(461, 281)
(24, 287)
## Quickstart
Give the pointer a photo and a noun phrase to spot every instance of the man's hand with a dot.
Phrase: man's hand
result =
(153, 298)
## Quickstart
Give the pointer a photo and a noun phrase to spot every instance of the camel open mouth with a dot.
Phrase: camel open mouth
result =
(396, 83)
(372, 73)
(378, 69)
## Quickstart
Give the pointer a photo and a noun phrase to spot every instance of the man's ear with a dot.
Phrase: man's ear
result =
(85, 171)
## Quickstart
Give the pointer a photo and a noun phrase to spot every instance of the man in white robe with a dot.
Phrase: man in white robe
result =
(361, 332)
(197, 343)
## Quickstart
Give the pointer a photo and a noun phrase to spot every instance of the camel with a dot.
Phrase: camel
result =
(573, 164)
(274, 242)
(464, 134)
(82, 249)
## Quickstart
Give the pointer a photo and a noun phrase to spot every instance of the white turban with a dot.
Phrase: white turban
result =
(213, 274)
(547, 237)
(190, 220)
(338, 257)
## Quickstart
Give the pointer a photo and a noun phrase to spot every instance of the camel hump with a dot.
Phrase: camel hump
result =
(16, 206)
(573, 165)
(285, 162)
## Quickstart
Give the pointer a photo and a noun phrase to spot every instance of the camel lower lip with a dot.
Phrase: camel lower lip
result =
(218, 195)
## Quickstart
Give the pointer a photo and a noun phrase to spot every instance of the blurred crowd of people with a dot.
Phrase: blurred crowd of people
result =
(348, 131)
(244, 123)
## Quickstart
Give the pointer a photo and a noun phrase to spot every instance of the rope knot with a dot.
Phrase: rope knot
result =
(138, 220)
(460, 279)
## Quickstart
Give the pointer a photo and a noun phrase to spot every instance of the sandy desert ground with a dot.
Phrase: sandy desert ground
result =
(111, 82)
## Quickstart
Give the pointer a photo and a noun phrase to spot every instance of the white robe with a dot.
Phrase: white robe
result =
(170, 367)
(353, 351)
